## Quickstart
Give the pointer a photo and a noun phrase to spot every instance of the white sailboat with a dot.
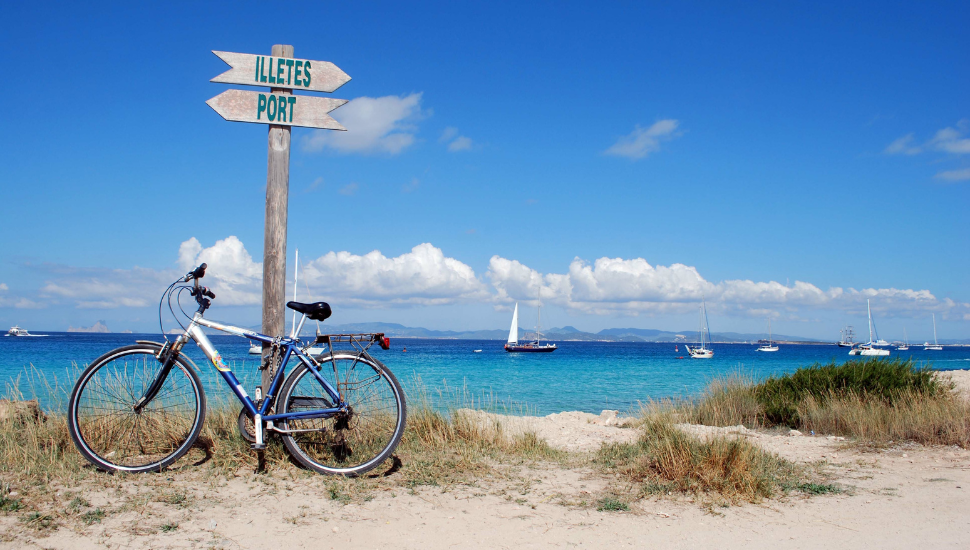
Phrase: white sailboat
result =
(935, 346)
(905, 345)
(769, 346)
(702, 352)
(871, 348)
(513, 344)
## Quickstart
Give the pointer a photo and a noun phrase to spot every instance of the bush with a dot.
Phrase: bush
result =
(871, 379)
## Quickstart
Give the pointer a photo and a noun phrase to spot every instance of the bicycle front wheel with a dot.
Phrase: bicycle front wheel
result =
(347, 444)
(111, 434)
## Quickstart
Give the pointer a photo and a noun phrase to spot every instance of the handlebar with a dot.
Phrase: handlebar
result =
(196, 273)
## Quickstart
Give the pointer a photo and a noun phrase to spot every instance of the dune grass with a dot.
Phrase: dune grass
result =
(875, 401)
(666, 460)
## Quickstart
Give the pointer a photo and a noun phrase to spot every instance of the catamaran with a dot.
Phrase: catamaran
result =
(17, 331)
(769, 346)
(871, 348)
(847, 337)
(935, 346)
(702, 352)
(534, 346)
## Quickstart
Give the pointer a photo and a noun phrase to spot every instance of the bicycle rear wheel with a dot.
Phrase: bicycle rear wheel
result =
(349, 444)
(108, 431)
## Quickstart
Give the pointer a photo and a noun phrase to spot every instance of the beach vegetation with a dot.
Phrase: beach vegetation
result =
(665, 459)
(874, 401)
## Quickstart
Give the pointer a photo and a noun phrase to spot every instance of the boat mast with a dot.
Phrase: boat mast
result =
(296, 280)
(935, 343)
(707, 324)
(869, 310)
(539, 313)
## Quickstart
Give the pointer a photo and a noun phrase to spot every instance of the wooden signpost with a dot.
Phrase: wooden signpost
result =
(280, 109)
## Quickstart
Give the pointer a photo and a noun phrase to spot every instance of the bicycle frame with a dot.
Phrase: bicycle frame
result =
(289, 347)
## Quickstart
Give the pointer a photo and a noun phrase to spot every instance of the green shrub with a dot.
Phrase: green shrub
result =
(874, 379)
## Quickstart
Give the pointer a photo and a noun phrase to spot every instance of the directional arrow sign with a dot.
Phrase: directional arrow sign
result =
(282, 109)
(281, 72)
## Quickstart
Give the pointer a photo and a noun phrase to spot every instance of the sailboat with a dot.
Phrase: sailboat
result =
(847, 337)
(936, 345)
(702, 352)
(534, 346)
(769, 346)
(870, 348)
(905, 345)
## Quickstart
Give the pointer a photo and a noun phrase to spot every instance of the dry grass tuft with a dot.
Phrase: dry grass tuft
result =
(665, 460)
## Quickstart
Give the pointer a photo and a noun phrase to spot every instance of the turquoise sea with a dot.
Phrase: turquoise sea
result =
(585, 376)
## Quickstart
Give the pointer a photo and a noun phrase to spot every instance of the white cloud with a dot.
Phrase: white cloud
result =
(455, 141)
(231, 273)
(348, 190)
(952, 140)
(374, 125)
(424, 276)
(954, 175)
(947, 140)
(461, 143)
(448, 134)
(4, 287)
(616, 285)
(903, 146)
(641, 142)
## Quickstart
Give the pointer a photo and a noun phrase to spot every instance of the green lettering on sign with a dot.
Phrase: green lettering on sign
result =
(289, 71)
(260, 105)
(271, 108)
(298, 70)
(292, 101)
(306, 73)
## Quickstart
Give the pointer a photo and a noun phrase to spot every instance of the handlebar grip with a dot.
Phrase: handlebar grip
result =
(209, 293)
(196, 273)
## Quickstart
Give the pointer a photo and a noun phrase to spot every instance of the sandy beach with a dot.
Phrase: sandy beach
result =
(903, 496)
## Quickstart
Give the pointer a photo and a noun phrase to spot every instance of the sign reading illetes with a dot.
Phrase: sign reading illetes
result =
(275, 107)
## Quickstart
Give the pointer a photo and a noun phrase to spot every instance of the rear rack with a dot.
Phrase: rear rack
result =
(361, 341)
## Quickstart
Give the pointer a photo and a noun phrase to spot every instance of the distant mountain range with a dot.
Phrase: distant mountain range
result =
(556, 334)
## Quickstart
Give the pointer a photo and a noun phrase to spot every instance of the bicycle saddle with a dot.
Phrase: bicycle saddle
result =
(317, 311)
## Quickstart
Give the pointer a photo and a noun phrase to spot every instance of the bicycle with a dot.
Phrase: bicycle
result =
(140, 408)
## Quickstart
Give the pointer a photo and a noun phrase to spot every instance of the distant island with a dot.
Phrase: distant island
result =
(98, 327)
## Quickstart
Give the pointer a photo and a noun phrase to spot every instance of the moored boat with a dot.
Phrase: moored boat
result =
(872, 347)
(935, 346)
(702, 352)
(513, 344)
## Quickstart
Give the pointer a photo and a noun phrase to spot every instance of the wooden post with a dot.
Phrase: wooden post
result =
(274, 238)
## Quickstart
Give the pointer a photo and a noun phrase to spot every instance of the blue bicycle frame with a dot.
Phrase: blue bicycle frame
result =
(289, 346)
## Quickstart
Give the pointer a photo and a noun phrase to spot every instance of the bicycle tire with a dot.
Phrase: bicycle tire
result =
(105, 427)
(351, 445)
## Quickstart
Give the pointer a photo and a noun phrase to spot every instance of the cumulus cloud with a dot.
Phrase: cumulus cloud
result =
(616, 285)
(231, 274)
(374, 125)
(643, 141)
(424, 276)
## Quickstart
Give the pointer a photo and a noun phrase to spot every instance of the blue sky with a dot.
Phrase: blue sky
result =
(623, 159)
